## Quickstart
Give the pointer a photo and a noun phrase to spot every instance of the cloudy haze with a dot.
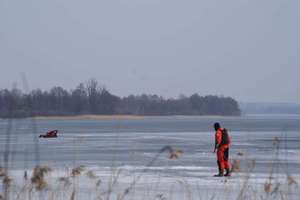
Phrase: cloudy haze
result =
(247, 49)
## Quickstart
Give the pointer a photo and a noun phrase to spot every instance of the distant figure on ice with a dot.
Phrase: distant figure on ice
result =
(222, 144)
(50, 134)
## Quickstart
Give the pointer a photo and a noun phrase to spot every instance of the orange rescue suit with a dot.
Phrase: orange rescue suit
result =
(223, 151)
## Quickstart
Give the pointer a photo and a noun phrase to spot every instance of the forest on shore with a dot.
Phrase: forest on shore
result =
(92, 98)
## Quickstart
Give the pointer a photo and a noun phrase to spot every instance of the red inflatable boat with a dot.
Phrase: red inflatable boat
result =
(50, 134)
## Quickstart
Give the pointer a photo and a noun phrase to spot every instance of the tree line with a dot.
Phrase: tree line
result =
(92, 98)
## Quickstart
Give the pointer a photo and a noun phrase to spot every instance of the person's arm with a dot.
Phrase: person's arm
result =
(216, 147)
(218, 140)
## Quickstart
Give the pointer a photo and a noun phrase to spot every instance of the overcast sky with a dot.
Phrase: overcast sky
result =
(247, 49)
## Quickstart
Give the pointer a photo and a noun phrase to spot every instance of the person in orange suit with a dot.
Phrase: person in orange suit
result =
(222, 144)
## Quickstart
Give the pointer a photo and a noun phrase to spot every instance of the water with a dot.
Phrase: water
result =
(121, 142)
(131, 145)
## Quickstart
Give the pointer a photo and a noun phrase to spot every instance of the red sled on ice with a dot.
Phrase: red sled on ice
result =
(50, 134)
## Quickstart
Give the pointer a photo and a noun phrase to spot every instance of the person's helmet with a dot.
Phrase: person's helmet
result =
(217, 126)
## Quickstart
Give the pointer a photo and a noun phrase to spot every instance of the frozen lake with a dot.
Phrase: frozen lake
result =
(131, 149)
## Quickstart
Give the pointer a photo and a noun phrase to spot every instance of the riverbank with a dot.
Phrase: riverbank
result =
(128, 117)
(91, 117)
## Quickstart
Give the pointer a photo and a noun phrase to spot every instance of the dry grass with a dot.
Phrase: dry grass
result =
(77, 170)
(236, 165)
(67, 188)
(2, 172)
(38, 177)
(291, 181)
(90, 174)
(175, 154)
(65, 181)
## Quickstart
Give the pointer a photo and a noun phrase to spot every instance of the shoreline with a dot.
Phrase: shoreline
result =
(124, 117)
(119, 117)
(90, 117)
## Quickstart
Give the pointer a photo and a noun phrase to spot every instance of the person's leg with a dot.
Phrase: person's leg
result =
(227, 162)
(220, 158)
(219, 166)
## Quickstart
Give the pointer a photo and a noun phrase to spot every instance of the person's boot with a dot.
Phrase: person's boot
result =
(228, 172)
(220, 174)
(221, 171)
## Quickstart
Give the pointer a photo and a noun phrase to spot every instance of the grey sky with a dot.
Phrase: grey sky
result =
(247, 49)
